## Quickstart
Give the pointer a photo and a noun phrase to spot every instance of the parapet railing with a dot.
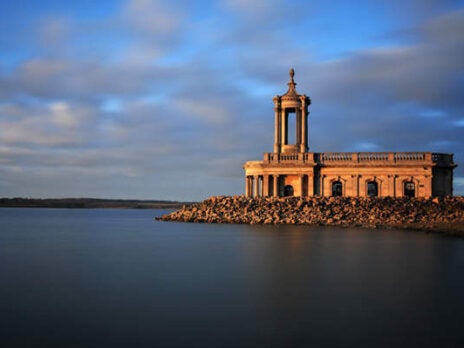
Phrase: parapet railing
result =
(358, 157)
(288, 157)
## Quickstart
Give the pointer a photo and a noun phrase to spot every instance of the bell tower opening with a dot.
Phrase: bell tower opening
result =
(291, 120)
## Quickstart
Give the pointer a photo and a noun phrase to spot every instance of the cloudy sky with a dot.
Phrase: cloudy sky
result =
(167, 99)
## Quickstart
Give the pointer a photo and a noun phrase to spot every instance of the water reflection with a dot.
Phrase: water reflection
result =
(316, 281)
(105, 278)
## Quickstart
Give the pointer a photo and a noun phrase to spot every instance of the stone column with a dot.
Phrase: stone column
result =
(254, 180)
(275, 183)
(298, 128)
(252, 186)
(256, 188)
(277, 131)
(322, 185)
(310, 185)
(304, 125)
(301, 184)
(265, 185)
(247, 186)
(283, 126)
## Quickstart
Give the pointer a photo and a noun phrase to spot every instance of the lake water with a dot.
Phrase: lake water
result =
(116, 278)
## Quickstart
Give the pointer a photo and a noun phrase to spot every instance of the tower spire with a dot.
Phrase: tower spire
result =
(291, 85)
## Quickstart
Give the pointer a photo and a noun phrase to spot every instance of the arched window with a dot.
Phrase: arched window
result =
(337, 188)
(372, 189)
(288, 190)
(409, 189)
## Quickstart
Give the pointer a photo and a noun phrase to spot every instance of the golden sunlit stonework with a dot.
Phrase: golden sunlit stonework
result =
(293, 171)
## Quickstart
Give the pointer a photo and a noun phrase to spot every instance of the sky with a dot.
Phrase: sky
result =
(144, 99)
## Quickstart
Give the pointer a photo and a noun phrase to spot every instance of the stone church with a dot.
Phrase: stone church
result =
(291, 170)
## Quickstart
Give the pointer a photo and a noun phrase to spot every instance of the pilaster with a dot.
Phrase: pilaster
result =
(301, 184)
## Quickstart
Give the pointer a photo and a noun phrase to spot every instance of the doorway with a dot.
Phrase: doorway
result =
(372, 189)
(337, 188)
(288, 190)
(409, 189)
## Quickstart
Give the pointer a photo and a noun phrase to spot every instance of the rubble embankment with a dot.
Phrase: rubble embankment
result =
(433, 214)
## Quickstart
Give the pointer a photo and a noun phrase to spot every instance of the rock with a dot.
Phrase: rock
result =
(352, 211)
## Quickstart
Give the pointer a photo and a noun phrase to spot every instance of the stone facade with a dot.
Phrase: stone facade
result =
(293, 171)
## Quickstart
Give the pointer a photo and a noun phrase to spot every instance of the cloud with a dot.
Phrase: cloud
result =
(389, 93)
(152, 17)
(164, 99)
(210, 113)
(54, 31)
(54, 124)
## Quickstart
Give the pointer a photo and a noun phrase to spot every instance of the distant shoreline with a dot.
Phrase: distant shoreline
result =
(89, 203)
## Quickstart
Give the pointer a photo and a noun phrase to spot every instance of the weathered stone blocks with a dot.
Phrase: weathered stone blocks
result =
(347, 211)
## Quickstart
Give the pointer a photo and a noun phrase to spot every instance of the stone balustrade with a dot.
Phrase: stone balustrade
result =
(297, 157)
(358, 157)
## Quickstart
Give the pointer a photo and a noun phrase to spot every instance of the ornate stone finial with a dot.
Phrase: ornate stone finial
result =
(291, 85)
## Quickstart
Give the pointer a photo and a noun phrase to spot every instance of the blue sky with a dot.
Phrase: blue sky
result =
(167, 99)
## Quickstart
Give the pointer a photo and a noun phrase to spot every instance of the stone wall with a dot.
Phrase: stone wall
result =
(312, 174)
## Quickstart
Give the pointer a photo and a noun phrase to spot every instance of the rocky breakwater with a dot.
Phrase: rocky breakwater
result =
(423, 213)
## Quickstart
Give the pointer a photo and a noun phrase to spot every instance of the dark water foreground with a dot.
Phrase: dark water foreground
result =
(116, 278)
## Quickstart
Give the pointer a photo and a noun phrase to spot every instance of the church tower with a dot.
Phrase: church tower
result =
(291, 104)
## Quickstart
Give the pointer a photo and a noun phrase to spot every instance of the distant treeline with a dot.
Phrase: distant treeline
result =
(89, 203)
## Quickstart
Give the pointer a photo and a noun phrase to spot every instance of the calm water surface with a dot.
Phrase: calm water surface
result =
(116, 278)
